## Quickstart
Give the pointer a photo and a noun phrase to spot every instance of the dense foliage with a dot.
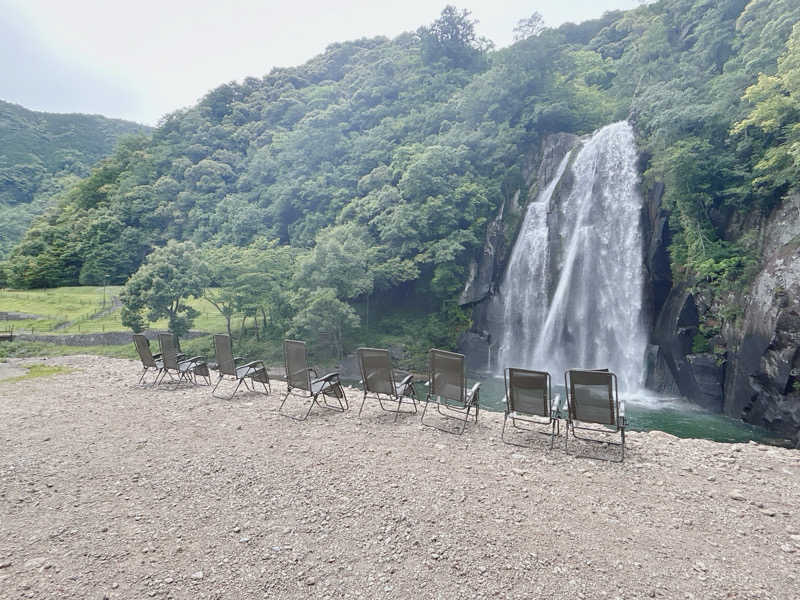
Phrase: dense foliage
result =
(44, 153)
(380, 162)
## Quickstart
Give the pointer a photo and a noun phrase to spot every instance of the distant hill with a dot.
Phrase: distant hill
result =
(41, 154)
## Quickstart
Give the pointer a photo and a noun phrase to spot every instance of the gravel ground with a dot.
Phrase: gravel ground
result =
(112, 491)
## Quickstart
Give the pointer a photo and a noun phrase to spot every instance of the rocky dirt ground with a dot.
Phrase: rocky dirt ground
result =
(112, 491)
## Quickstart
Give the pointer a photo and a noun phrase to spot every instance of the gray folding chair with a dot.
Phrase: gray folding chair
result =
(377, 378)
(186, 369)
(447, 381)
(528, 402)
(299, 382)
(149, 360)
(593, 407)
(228, 366)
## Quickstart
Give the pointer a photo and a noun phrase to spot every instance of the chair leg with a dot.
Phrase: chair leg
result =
(219, 380)
(157, 381)
(439, 410)
(362, 404)
(305, 416)
(284, 400)
(424, 410)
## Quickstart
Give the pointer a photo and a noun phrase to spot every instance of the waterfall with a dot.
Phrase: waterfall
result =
(572, 292)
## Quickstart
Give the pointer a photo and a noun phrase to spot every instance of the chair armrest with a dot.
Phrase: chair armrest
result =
(194, 360)
(474, 393)
(406, 380)
(254, 362)
(328, 377)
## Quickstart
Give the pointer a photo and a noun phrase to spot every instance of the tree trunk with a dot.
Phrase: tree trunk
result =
(264, 320)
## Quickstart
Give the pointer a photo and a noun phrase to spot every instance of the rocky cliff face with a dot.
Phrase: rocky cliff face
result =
(762, 381)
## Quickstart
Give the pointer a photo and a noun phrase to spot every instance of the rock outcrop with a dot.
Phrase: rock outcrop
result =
(762, 384)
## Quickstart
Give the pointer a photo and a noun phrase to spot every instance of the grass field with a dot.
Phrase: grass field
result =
(84, 310)
(76, 310)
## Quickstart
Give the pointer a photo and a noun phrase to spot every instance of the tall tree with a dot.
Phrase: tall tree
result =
(160, 287)
(452, 37)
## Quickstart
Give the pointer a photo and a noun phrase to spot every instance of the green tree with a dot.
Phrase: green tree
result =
(250, 281)
(529, 27)
(320, 314)
(343, 259)
(775, 119)
(161, 286)
(452, 38)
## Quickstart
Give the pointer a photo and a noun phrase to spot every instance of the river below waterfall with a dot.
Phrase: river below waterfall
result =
(647, 411)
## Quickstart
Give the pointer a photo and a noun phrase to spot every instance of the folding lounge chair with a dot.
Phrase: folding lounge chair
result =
(149, 361)
(528, 401)
(187, 369)
(299, 382)
(255, 370)
(447, 382)
(377, 378)
(593, 399)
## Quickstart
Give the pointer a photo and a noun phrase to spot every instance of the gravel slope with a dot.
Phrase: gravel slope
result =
(107, 490)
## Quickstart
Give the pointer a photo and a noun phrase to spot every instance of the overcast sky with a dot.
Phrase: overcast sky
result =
(141, 59)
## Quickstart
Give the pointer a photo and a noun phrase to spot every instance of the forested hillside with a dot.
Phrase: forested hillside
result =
(44, 153)
(385, 159)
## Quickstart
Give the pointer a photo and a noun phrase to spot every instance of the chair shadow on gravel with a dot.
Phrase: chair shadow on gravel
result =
(599, 450)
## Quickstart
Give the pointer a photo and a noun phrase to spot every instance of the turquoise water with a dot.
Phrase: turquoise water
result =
(650, 411)
(645, 412)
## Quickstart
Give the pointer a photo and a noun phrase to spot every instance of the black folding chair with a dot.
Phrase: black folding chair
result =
(528, 403)
(377, 378)
(299, 382)
(228, 366)
(447, 381)
(593, 408)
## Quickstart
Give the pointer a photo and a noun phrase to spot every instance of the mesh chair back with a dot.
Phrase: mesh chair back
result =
(376, 371)
(169, 350)
(143, 348)
(296, 362)
(446, 375)
(528, 392)
(592, 396)
(224, 352)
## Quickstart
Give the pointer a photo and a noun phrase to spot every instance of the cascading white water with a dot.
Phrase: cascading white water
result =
(572, 292)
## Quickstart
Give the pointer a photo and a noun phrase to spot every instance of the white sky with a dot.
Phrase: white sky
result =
(139, 60)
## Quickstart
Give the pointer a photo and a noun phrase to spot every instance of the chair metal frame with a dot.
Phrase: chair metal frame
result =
(300, 384)
(447, 405)
(227, 365)
(149, 360)
(514, 410)
(386, 386)
(616, 422)
(187, 369)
